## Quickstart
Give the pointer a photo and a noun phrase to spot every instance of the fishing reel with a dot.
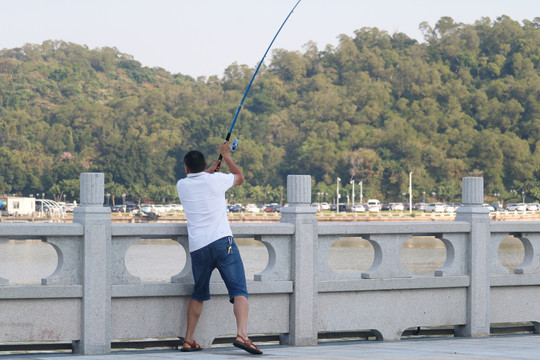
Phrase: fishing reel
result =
(234, 145)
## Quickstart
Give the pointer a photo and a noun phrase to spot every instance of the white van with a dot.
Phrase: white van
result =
(374, 205)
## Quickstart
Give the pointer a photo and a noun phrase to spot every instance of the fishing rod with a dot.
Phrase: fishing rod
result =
(234, 144)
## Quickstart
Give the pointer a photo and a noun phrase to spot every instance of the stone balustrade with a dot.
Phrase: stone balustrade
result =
(92, 299)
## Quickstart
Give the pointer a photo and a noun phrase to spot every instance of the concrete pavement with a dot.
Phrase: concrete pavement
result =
(501, 347)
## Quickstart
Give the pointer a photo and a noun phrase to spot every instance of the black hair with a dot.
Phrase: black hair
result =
(194, 161)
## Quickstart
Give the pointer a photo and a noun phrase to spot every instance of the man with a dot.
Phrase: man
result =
(202, 193)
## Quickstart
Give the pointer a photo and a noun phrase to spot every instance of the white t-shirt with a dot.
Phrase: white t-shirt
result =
(203, 198)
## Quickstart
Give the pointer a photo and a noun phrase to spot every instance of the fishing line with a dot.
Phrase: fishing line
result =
(234, 144)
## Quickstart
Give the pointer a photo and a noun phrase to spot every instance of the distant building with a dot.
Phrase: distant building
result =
(20, 206)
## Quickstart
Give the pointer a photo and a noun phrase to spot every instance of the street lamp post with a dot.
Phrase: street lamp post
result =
(352, 182)
(108, 197)
(523, 196)
(337, 195)
(361, 194)
(410, 193)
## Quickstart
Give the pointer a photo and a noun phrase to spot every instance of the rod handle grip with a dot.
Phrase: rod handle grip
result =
(226, 139)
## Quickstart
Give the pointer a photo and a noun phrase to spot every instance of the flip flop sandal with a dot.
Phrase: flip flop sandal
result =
(193, 346)
(247, 345)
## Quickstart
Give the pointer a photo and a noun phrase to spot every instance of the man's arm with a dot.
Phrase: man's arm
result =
(233, 168)
(215, 166)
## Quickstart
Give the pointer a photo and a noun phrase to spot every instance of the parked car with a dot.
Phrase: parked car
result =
(69, 208)
(118, 208)
(132, 207)
(252, 208)
(234, 208)
(397, 207)
(325, 206)
(516, 207)
(448, 208)
(178, 207)
(159, 209)
(273, 208)
(451, 207)
(419, 206)
(152, 210)
(386, 207)
(533, 207)
(491, 208)
(146, 209)
(373, 205)
(358, 208)
(434, 207)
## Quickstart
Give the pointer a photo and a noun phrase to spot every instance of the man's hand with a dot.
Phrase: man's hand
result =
(225, 148)
(233, 168)
(215, 166)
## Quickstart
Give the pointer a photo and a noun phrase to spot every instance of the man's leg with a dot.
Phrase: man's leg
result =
(193, 313)
(241, 309)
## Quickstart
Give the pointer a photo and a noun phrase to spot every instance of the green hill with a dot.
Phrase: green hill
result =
(376, 107)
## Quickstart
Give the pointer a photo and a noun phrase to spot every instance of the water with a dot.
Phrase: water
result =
(27, 261)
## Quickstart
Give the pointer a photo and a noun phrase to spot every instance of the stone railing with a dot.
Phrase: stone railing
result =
(92, 299)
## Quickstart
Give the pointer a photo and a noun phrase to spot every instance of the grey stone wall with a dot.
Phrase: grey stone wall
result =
(297, 295)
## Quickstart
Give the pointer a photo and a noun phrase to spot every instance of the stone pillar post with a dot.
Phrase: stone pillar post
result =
(96, 302)
(478, 294)
(304, 249)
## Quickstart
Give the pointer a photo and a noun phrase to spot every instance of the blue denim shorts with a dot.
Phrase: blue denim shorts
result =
(228, 263)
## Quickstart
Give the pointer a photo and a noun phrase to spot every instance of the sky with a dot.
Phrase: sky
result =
(204, 37)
